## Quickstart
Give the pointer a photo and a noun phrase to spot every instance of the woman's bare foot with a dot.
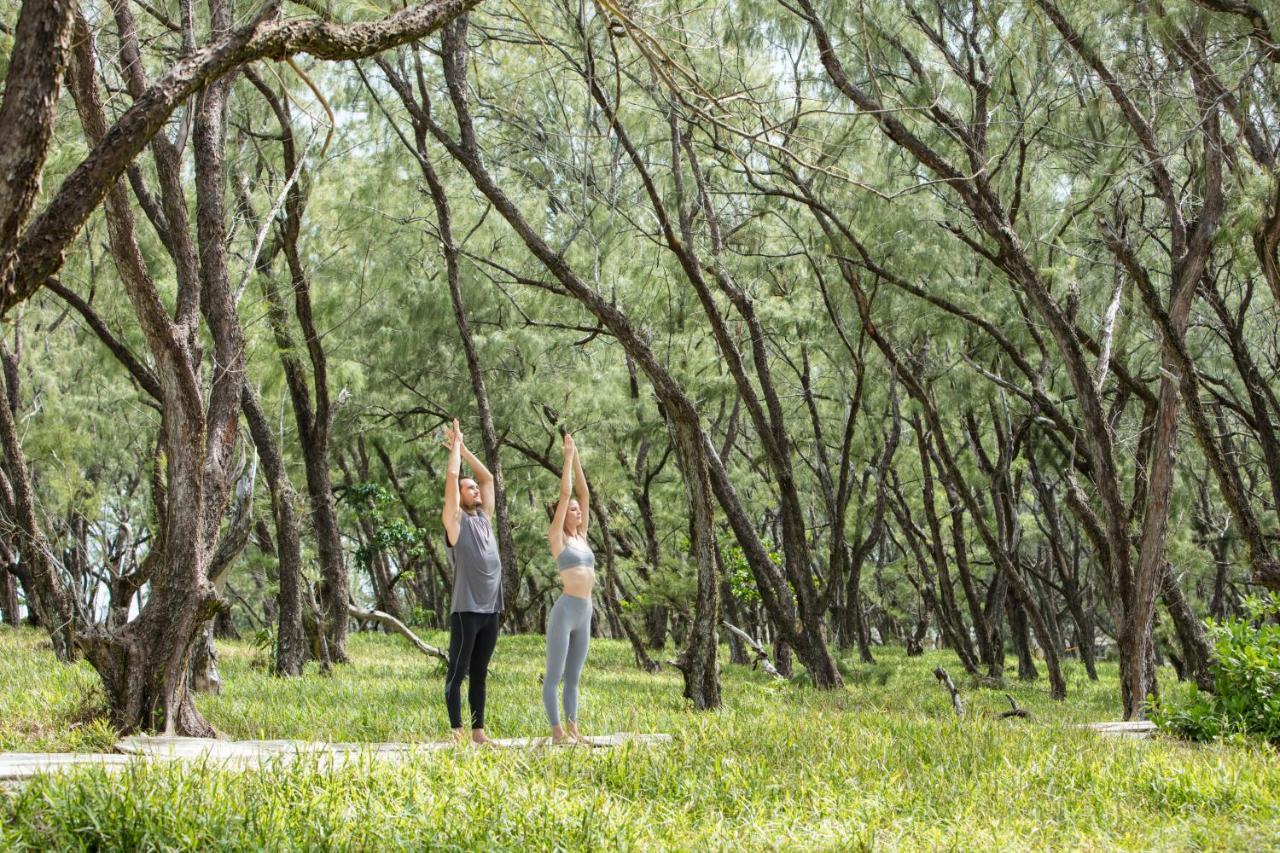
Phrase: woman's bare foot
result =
(558, 736)
(576, 736)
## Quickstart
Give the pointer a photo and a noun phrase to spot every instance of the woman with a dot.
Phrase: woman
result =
(569, 627)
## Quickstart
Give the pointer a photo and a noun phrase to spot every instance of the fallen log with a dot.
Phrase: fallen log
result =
(1014, 711)
(956, 702)
(762, 656)
(391, 622)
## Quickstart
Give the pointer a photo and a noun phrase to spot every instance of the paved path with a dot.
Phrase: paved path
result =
(238, 754)
(1131, 729)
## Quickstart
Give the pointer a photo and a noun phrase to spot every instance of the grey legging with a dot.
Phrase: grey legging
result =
(568, 634)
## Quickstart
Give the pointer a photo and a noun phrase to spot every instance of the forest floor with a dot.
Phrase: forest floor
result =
(883, 763)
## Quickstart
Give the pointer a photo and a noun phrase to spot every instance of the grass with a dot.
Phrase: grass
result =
(883, 764)
(44, 706)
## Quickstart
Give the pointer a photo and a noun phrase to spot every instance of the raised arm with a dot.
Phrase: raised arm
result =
(484, 479)
(555, 533)
(580, 487)
(452, 497)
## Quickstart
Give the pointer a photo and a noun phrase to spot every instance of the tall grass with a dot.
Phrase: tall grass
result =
(883, 763)
(44, 706)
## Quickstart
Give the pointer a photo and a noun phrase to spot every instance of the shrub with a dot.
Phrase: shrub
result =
(1246, 667)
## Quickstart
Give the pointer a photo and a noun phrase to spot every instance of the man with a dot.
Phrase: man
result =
(477, 584)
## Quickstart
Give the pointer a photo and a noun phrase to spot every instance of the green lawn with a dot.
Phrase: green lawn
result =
(881, 764)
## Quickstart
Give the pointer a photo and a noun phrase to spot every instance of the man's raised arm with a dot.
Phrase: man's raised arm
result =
(449, 515)
(484, 479)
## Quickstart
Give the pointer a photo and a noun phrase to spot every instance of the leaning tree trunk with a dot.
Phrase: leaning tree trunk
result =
(699, 661)
(291, 646)
(1196, 652)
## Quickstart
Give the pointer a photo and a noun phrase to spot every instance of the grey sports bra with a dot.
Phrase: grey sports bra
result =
(575, 555)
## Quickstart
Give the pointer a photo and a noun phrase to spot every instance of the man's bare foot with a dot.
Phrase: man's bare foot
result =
(479, 738)
(458, 736)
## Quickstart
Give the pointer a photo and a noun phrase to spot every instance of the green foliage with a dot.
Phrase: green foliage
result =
(737, 571)
(1246, 680)
(741, 582)
(370, 501)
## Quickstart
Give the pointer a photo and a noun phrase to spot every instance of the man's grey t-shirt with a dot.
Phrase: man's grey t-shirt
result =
(477, 570)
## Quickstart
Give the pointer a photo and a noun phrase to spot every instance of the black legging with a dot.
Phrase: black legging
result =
(472, 637)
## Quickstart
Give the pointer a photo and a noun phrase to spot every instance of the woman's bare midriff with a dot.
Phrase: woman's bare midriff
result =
(578, 581)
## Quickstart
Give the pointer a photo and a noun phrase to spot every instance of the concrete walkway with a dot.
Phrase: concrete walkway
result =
(1130, 729)
(16, 767)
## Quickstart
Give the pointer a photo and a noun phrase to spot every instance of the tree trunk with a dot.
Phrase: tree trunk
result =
(857, 619)
(617, 620)
(291, 645)
(655, 613)
(993, 612)
(1021, 640)
(335, 586)
(949, 615)
(144, 666)
(204, 657)
(48, 601)
(9, 596)
(27, 114)
(733, 615)
(28, 593)
(1196, 652)
(699, 662)
(782, 657)
(981, 628)
(205, 677)
(1084, 632)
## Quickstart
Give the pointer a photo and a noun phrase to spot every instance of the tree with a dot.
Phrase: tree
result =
(144, 663)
